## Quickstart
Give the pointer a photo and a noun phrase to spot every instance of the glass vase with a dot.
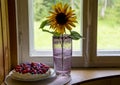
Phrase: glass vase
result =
(62, 53)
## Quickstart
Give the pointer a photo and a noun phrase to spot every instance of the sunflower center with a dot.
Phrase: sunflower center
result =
(61, 18)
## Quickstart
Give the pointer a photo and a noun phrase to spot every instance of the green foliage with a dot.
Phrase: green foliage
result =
(75, 35)
(42, 7)
(43, 24)
(112, 12)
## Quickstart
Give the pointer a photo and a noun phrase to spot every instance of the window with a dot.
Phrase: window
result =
(39, 10)
(87, 52)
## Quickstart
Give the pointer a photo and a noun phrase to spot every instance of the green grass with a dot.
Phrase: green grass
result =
(108, 36)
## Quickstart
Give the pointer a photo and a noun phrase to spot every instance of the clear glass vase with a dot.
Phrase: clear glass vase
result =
(62, 53)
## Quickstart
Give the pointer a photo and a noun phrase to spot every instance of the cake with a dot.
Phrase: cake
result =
(31, 71)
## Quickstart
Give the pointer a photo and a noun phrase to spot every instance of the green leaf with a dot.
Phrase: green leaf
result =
(56, 34)
(47, 31)
(43, 24)
(75, 35)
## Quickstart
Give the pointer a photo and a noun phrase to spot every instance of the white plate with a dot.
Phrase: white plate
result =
(52, 74)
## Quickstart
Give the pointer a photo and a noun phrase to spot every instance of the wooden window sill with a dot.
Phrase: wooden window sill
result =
(78, 75)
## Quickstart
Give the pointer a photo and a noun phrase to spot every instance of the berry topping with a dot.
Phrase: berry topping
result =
(33, 68)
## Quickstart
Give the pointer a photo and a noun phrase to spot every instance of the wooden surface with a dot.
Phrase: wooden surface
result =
(13, 32)
(5, 40)
(86, 75)
(77, 75)
(1, 49)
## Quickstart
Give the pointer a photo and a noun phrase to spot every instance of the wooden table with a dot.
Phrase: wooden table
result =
(77, 75)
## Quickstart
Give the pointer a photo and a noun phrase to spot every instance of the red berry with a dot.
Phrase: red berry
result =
(33, 68)
(18, 67)
(17, 70)
(24, 71)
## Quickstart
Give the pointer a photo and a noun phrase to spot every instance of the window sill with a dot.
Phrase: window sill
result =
(81, 76)
(78, 75)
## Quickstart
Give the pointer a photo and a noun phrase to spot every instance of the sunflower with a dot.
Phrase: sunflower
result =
(61, 18)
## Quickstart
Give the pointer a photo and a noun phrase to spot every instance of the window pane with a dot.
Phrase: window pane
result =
(42, 40)
(108, 39)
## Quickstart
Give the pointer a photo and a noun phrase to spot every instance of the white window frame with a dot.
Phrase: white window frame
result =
(89, 49)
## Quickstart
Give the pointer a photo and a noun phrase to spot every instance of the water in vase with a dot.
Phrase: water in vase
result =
(62, 53)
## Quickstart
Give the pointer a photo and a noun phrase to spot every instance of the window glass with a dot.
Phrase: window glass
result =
(108, 38)
(42, 41)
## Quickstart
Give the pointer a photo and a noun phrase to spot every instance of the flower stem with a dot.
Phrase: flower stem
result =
(62, 52)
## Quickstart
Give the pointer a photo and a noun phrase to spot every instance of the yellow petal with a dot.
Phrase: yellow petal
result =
(68, 27)
(70, 16)
(72, 24)
(65, 8)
